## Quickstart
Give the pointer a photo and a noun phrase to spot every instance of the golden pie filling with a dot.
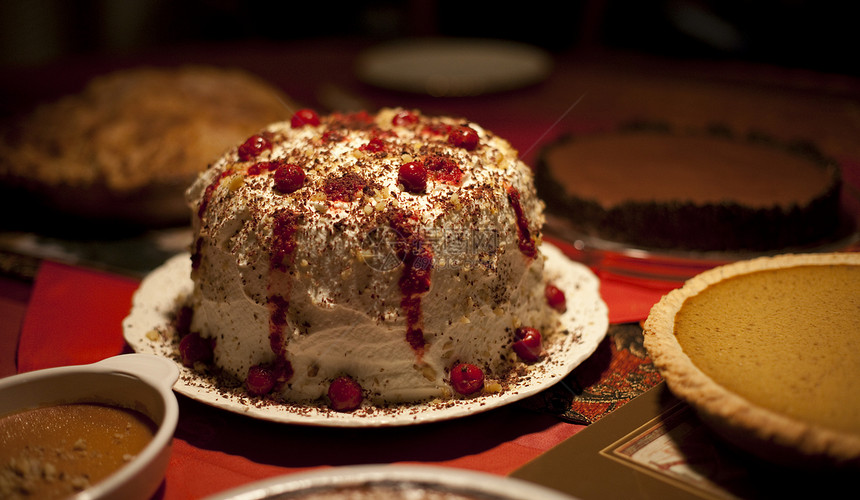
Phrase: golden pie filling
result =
(785, 339)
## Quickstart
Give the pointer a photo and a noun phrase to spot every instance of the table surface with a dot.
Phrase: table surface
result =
(585, 92)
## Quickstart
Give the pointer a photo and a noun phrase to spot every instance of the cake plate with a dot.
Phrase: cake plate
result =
(148, 329)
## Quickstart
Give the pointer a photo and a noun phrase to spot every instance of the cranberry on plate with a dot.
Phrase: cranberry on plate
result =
(467, 378)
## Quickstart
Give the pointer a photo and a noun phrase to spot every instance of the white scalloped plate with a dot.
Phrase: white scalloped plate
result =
(586, 320)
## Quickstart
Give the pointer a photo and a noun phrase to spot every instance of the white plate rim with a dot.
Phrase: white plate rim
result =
(586, 318)
(457, 480)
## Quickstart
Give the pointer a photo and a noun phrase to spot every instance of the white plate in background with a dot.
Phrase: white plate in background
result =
(453, 66)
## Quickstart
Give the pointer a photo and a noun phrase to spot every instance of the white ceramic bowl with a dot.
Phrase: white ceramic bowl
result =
(140, 382)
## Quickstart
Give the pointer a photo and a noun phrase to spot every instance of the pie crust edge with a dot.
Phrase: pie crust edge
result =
(765, 433)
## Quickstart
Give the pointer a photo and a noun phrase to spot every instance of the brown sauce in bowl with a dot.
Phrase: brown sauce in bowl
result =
(57, 451)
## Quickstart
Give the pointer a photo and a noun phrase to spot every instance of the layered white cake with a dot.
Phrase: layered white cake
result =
(383, 249)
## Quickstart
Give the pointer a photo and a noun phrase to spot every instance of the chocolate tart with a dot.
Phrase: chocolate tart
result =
(767, 351)
(656, 188)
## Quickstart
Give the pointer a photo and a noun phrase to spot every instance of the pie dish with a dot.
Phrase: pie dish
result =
(124, 149)
(637, 262)
(767, 351)
(729, 193)
(398, 481)
(148, 329)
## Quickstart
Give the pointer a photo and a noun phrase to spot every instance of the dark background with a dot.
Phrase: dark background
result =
(790, 33)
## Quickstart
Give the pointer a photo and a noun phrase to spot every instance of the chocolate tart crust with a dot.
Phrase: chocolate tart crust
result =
(658, 214)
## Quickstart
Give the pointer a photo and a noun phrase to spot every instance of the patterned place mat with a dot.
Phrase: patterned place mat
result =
(618, 371)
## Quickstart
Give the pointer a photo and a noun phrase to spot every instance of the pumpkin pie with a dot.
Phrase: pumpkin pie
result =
(768, 353)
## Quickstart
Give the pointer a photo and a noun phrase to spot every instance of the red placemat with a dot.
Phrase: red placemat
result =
(75, 317)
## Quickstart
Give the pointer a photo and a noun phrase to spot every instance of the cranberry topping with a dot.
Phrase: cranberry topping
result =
(304, 117)
(362, 117)
(414, 282)
(284, 228)
(253, 146)
(413, 176)
(283, 371)
(264, 378)
(467, 378)
(555, 297)
(526, 243)
(444, 168)
(264, 166)
(403, 118)
(375, 145)
(289, 178)
(382, 134)
(182, 321)
(529, 344)
(194, 348)
(344, 394)
(417, 257)
(416, 274)
(260, 381)
(282, 255)
(463, 137)
(411, 305)
(437, 129)
(256, 169)
(332, 136)
(278, 307)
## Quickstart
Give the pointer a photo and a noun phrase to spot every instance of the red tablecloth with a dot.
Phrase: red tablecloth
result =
(75, 317)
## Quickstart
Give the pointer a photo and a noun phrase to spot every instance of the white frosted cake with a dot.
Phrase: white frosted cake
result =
(390, 257)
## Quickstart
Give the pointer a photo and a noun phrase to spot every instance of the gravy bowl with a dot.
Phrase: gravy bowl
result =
(140, 382)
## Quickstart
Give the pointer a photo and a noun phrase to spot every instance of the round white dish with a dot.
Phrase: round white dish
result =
(141, 382)
(147, 329)
(401, 479)
(453, 67)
